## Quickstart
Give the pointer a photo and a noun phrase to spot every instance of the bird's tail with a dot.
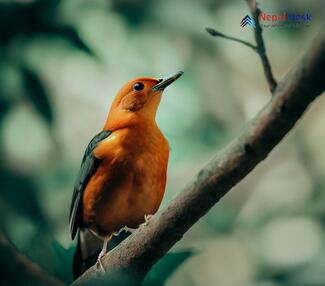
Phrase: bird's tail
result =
(88, 248)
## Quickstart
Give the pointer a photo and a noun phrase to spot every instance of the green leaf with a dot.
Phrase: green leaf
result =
(37, 94)
(51, 256)
(63, 258)
(70, 34)
(159, 274)
(4, 108)
(19, 193)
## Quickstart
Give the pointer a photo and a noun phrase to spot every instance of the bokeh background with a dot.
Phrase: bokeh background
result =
(61, 63)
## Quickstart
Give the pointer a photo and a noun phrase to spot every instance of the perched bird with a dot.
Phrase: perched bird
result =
(122, 176)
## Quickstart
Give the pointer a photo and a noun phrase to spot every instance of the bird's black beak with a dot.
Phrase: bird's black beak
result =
(164, 82)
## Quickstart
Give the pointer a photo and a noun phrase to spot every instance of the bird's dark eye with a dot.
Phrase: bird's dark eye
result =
(138, 86)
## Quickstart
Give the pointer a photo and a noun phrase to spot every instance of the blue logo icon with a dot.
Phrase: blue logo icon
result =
(247, 20)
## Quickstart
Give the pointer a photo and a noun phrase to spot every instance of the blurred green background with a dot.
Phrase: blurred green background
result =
(61, 63)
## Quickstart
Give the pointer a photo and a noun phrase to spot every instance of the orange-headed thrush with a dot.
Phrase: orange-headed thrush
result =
(122, 176)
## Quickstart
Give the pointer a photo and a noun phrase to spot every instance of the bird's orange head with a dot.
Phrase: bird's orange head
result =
(137, 101)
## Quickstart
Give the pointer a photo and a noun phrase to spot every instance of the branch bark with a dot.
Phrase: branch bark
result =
(17, 269)
(134, 257)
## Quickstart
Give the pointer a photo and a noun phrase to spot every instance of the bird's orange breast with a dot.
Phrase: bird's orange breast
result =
(130, 181)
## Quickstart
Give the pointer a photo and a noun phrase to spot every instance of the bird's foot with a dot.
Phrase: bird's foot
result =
(147, 217)
(99, 263)
(132, 230)
(129, 229)
(125, 228)
(146, 220)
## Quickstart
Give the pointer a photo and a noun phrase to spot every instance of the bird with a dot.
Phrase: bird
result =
(123, 173)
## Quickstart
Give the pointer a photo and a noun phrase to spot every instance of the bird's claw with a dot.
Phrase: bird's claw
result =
(146, 220)
(125, 228)
(129, 229)
(132, 230)
(99, 262)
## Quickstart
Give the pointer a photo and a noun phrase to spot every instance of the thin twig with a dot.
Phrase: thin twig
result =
(261, 48)
(215, 33)
(134, 257)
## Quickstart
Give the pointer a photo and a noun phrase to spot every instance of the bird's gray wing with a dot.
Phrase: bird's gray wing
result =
(88, 166)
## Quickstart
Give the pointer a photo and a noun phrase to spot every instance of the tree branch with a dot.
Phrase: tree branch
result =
(137, 254)
(260, 45)
(17, 269)
(259, 48)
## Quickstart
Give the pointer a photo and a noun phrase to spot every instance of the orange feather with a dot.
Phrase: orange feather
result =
(130, 183)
